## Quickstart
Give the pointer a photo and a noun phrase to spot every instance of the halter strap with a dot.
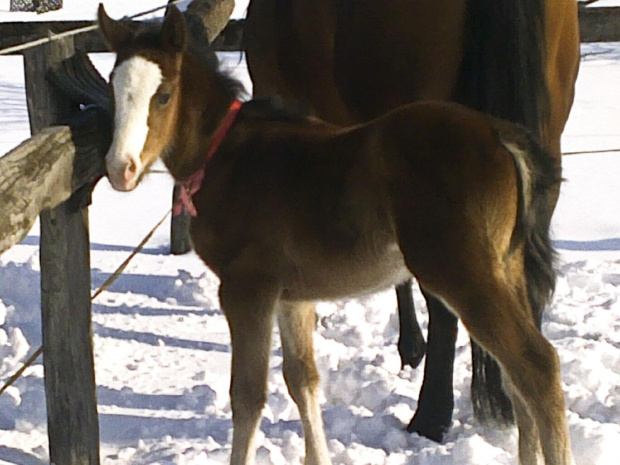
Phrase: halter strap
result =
(192, 184)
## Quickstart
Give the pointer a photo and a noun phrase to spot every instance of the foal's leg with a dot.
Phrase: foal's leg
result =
(530, 450)
(433, 416)
(296, 322)
(498, 317)
(249, 305)
(411, 345)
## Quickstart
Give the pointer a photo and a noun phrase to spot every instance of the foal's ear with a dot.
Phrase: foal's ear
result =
(115, 33)
(173, 31)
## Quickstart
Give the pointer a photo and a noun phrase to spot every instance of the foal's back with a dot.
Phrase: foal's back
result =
(327, 202)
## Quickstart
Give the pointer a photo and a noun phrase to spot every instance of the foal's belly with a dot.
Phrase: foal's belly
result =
(335, 276)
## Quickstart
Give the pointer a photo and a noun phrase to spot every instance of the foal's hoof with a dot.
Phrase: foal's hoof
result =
(411, 352)
(429, 429)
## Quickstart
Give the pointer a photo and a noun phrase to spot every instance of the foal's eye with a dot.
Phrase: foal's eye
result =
(163, 99)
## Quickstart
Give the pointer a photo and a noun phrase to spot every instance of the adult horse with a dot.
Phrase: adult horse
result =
(289, 210)
(352, 60)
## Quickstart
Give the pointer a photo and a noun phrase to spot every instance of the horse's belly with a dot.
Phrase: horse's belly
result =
(338, 276)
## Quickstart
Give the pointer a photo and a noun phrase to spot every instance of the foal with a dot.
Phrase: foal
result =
(291, 210)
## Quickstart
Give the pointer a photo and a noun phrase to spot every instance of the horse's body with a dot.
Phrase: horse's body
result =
(291, 209)
(352, 61)
(355, 60)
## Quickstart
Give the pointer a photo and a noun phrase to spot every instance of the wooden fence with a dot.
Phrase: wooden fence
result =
(596, 25)
(71, 156)
(54, 172)
(65, 286)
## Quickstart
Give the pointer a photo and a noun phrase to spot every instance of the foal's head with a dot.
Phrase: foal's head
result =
(145, 84)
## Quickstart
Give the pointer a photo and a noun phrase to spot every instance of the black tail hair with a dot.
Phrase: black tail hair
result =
(503, 68)
(503, 74)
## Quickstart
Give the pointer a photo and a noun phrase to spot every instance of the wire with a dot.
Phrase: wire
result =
(54, 37)
(103, 287)
(583, 152)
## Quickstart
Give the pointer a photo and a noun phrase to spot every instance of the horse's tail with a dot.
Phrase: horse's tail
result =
(503, 68)
(503, 74)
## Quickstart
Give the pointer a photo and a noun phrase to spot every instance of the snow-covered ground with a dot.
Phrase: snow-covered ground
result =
(161, 342)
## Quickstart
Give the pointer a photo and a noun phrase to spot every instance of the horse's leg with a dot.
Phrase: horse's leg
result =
(433, 416)
(497, 315)
(489, 400)
(411, 345)
(297, 322)
(249, 306)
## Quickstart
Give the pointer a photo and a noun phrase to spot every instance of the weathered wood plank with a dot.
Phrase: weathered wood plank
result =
(206, 19)
(599, 24)
(48, 168)
(180, 241)
(15, 33)
(73, 427)
(596, 25)
(43, 171)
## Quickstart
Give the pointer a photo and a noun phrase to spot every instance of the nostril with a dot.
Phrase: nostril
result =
(131, 169)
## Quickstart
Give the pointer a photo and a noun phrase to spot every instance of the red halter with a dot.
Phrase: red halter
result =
(191, 185)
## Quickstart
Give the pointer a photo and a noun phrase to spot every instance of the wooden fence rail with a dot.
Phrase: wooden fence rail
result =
(44, 171)
(599, 24)
(596, 25)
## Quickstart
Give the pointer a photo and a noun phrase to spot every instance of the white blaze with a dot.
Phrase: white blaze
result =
(135, 81)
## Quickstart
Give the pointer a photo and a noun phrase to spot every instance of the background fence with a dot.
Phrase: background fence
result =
(40, 6)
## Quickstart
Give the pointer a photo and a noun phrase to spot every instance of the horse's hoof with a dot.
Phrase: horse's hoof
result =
(411, 352)
(431, 430)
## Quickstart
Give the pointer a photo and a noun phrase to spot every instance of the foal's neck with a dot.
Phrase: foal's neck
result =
(206, 98)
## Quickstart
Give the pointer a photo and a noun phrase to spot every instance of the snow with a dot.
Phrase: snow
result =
(162, 346)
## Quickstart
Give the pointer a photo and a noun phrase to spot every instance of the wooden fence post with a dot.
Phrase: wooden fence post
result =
(206, 19)
(179, 227)
(70, 389)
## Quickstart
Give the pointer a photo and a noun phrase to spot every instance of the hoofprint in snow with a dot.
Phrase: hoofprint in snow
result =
(161, 342)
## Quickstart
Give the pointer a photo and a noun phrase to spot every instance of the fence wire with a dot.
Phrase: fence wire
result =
(54, 37)
(113, 277)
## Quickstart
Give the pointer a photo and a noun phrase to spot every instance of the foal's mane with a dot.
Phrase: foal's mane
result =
(276, 109)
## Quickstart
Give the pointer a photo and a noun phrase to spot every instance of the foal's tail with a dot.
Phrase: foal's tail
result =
(539, 175)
